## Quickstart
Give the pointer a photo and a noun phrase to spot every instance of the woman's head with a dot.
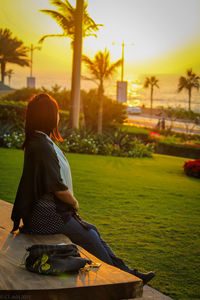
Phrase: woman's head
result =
(42, 114)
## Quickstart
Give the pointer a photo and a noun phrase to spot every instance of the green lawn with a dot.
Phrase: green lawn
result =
(147, 209)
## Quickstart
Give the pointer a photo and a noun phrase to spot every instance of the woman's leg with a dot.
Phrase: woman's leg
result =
(91, 241)
(116, 261)
(88, 239)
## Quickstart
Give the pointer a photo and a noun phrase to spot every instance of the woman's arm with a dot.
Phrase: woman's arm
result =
(67, 197)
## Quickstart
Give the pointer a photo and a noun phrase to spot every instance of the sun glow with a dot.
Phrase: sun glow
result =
(165, 36)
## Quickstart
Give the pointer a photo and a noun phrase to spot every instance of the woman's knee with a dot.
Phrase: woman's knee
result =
(92, 227)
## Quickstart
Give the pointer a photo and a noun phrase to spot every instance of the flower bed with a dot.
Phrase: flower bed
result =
(80, 142)
(192, 168)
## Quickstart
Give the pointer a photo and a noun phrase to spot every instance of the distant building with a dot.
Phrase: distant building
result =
(5, 89)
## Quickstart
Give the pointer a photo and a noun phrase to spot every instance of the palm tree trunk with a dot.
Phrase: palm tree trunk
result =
(151, 98)
(82, 120)
(189, 99)
(3, 70)
(76, 71)
(100, 112)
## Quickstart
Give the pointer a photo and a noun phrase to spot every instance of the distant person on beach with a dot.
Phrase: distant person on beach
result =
(45, 200)
(158, 124)
(163, 123)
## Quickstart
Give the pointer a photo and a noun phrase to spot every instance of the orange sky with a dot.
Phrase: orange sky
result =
(165, 36)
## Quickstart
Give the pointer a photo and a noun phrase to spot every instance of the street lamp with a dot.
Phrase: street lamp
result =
(122, 86)
(122, 65)
(31, 79)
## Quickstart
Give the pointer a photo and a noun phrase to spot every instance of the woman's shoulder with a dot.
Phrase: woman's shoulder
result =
(40, 144)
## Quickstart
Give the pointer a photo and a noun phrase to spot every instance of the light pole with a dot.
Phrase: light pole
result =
(76, 69)
(122, 59)
(31, 79)
(122, 70)
(32, 48)
(122, 86)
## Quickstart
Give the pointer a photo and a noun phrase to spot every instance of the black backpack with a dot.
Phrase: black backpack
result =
(54, 259)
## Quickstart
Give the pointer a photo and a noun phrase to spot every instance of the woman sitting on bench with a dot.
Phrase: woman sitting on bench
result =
(44, 199)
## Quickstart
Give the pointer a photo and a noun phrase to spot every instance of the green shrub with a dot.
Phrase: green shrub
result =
(13, 140)
(12, 117)
(21, 95)
(180, 150)
(113, 112)
(12, 114)
(89, 144)
(138, 132)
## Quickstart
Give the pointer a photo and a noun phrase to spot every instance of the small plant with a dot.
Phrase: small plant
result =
(13, 140)
(192, 168)
(88, 143)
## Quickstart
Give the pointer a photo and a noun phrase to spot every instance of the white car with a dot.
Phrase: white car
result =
(133, 110)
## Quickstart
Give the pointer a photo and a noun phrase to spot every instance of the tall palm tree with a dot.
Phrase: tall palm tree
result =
(65, 17)
(100, 69)
(9, 73)
(12, 51)
(189, 82)
(152, 82)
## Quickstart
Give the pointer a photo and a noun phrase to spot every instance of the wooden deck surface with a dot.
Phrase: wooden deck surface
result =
(107, 282)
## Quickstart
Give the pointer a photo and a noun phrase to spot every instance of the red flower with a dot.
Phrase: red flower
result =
(192, 168)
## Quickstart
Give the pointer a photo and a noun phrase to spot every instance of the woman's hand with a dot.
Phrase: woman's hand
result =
(76, 206)
(67, 197)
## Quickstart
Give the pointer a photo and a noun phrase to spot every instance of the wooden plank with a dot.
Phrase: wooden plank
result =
(107, 282)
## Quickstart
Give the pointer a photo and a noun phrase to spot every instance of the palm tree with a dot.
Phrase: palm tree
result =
(100, 69)
(12, 51)
(152, 82)
(65, 17)
(9, 73)
(189, 82)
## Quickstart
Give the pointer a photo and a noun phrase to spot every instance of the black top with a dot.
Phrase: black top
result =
(35, 202)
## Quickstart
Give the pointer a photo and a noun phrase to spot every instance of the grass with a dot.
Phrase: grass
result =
(147, 209)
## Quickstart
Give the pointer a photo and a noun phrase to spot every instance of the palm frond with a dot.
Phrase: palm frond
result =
(151, 81)
(183, 84)
(146, 82)
(62, 5)
(66, 25)
(113, 68)
(89, 79)
(50, 35)
(91, 66)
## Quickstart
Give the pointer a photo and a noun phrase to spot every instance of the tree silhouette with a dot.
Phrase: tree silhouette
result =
(12, 51)
(152, 82)
(65, 17)
(189, 82)
(9, 73)
(100, 69)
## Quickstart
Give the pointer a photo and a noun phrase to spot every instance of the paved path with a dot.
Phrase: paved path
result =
(179, 126)
(151, 294)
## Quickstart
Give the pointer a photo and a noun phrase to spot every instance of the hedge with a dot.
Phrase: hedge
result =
(180, 150)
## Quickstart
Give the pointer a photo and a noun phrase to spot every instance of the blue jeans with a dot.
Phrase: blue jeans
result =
(92, 242)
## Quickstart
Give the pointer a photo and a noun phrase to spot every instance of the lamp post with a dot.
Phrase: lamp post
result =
(122, 65)
(122, 70)
(122, 86)
(31, 79)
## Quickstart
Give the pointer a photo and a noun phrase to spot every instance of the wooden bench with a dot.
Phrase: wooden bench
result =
(16, 282)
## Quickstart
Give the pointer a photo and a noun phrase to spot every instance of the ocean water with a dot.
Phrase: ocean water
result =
(166, 95)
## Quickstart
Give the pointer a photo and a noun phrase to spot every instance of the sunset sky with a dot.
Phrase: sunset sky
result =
(165, 33)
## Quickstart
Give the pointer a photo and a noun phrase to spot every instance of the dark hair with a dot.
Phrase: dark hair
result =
(42, 114)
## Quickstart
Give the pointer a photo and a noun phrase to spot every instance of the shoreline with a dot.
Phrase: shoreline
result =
(146, 120)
